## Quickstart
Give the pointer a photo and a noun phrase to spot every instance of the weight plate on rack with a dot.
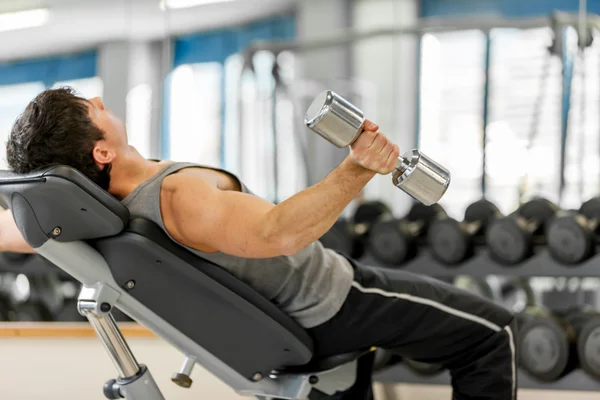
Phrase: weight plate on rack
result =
(591, 208)
(342, 239)
(370, 212)
(389, 244)
(570, 241)
(508, 241)
(482, 210)
(448, 242)
(588, 348)
(421, 212)
(544, 349)
(538, 210)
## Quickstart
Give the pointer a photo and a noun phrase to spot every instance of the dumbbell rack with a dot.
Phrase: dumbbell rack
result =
(575, 381)
(539, 265)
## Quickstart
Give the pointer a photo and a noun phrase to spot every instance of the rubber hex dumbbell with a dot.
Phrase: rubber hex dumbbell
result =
(588, 345)
(510, 240)
(572, 236)
(341, 123)
(394, 241)
(349, 237)
(547, 343)
(452, 242)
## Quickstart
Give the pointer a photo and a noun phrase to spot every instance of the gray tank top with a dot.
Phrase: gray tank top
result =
(310, 286)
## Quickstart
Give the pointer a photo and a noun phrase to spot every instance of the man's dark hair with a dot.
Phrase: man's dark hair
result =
(56, 129)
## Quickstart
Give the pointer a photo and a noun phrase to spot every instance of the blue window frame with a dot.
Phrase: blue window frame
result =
(49, 70)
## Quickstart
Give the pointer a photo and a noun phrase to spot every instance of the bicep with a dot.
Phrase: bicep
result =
(228, 221)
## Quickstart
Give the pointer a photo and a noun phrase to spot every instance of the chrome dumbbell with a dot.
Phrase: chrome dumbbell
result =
(341, 123)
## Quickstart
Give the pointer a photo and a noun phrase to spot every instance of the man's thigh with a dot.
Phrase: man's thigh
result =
(416, 316)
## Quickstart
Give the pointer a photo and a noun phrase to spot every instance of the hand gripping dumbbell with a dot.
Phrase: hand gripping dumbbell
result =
(394, 241)
(572, 235)
(341, 123)
(510, 240)
(452, 242)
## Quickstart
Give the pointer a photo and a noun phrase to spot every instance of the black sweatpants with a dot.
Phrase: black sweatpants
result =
(424, 319)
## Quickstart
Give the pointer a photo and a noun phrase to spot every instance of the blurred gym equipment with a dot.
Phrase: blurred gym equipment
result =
(588, 346)
(394, 241)
(349, 237)
(452, 242)
(473, 285)
(511, 239)
(548, 343)
(340, 123)
(422, 368)
(572, 236)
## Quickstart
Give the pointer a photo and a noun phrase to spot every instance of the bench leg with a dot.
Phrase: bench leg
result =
(135, 381)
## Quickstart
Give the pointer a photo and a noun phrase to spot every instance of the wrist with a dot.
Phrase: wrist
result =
(357, 170)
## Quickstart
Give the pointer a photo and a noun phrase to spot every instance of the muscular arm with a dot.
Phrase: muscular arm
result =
(11, 239)
(198, 214)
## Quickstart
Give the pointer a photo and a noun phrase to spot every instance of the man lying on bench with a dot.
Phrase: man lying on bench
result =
(344, 306)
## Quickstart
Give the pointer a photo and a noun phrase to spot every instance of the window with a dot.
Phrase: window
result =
(13, 100)
(582, 158)
(195, 114)
(86, 87)
(524, 119)
(139, 118)
(451, 111)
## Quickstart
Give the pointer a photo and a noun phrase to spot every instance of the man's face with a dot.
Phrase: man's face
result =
(115, 134)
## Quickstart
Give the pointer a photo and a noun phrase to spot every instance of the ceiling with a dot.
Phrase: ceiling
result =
(80, 24)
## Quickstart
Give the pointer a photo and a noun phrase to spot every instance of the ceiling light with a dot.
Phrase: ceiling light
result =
(23, 19)
(176, 4)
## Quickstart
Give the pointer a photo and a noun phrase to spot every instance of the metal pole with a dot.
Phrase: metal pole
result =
(112, 339)
(582, 45)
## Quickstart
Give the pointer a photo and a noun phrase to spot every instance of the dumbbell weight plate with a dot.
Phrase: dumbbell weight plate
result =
(451, 242)
(422, 368)
(510, 239)
(570, 241)
(588, 348)
(517, 295)
(342, 238)
(390, 244)
(538, 210)
(370, 212)
(448, 241)
(544, 349)
(482, 210)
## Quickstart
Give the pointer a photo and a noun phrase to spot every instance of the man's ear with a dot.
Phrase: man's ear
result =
(103, 154)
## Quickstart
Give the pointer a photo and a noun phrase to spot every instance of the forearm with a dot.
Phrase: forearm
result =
(11, 239)
(308, 215)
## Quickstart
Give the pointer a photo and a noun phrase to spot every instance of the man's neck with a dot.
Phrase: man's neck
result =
(128, 175)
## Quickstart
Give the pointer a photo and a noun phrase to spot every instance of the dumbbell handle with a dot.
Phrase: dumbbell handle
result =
(341, 123)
